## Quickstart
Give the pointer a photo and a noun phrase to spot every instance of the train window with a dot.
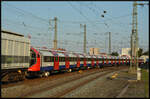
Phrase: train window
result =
(26, 60)
(47, 59)
(38, 56)
(60, 59)
(52, 59)
(81, 59)
(69, 58)
(56, 58)
(15, 59)
(3, 59)
(33, 58)
(87, 59)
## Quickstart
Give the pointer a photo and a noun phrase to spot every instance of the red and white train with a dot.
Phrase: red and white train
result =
(20, 59)
(45, 61)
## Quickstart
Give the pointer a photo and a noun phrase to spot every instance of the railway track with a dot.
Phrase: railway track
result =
(53, 76)
(94, 75)
(53, 82)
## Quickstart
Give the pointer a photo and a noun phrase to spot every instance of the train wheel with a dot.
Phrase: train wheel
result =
(46, 74)
(88, 68)
(70, 70)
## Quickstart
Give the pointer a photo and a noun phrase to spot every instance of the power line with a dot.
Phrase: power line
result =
(81, 14)
(28, 13)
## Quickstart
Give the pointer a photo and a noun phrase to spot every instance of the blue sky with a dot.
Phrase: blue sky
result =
(33, 18)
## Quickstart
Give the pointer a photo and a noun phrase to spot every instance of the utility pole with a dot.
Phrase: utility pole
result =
(131, 53)
(109, 43)
(135, 35)
(84, 38)
(84, 45)
(55, 35)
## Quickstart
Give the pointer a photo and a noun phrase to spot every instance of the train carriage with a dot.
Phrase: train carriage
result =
(88, 61)
(83, 62)
(81, 57)
(92, 61)
(112, 60)
(95, 60)
(72, 59)
(77, 62)
(100, 60)
(64, 62)
(15, 55)
(115, 60)
(109, 60)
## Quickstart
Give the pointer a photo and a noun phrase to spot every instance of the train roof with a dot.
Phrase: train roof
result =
(12, 33)
(46, 53)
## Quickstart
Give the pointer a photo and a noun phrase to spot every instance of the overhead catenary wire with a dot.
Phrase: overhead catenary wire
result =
(27, 13)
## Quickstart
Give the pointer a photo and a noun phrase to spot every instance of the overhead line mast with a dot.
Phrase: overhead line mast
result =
(134, 37)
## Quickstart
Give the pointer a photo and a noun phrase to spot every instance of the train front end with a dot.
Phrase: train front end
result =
(34, 68)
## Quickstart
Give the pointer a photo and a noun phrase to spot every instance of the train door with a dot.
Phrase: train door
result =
(67, 62)
(126, 61)
(78, 62)
(122, 61)
(103, 60)
(107, 60)
(35, 61)
(56, 62)
(97, 61)
(85, 61)
(115, 61)
(112, 61)
(119, 61)
(92, 60)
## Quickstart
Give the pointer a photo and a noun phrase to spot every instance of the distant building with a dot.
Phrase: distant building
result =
(125, 51)
(94, 51)
(103, 54)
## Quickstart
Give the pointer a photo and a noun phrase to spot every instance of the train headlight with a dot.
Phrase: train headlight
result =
(19, 71)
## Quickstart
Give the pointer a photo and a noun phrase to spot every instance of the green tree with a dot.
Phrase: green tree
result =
(140, 52)
(146, 53)
(114, 54)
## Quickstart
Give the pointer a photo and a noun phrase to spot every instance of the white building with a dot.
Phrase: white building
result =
(125, 51)
(94, 51)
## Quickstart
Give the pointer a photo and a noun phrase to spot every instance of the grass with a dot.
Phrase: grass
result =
(145, 78)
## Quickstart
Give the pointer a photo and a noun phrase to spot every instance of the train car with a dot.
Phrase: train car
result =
(97, 61)
(141, 61)
(83, 62)
(112, 60)
(72, 59)
(15, 56)
(48, 61)
(81, 59)
(88, 57)
(100, 58)
(92, 61)
(77, 62)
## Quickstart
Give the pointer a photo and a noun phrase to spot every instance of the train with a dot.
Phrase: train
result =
(21, 60)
